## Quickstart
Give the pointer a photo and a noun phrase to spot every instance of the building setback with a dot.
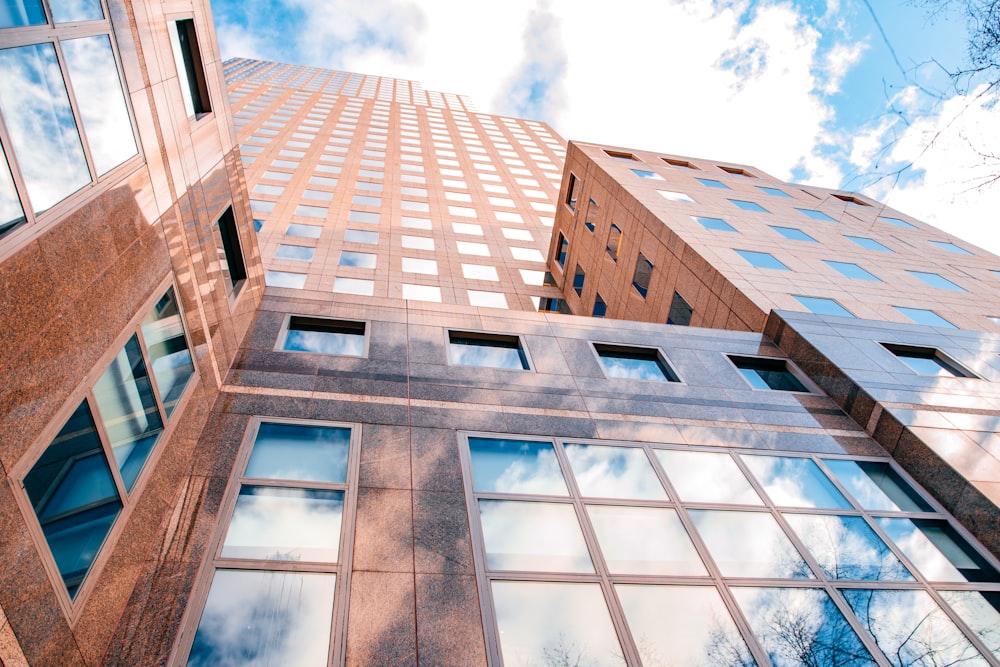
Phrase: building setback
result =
(318, 374)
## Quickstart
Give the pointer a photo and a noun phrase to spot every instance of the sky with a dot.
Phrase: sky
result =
(851, 94)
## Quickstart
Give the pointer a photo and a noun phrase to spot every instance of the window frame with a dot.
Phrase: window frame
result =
(787, 365)
(194, 66)
(225, 242)
(334, 322)
(506, 338)
(655, 353)
(899, 351)
(641, 290)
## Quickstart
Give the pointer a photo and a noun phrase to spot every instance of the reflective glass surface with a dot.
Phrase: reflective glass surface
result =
(515, 466)
(981, 612)
(712, 183)
(770, 374)
(14, 13)
(306, 231)
(533, 536)
(935, 280)
(682, 625)
(927, 317)
(795, 482)
(644, 540)
(74, 497)
(163, 333)
(762, 260)
(876, 486)
(774, 192)
(614, 472)
(128, 411)
(558, 624)
(306, 334)
(951, 247)
(749, 544)
(707, 477)
(298, 253)
(869, 244)
(259, 618)
(98, 91)
(939, 553)
(297, 452)
(499, 352)
(11, 213)
(847, 548)
(815, 215)
(748, 205)
(285, 279)
(278, 523)
(794, 234)
(849, 270)
(65, 11)
(42, 130)
(717, 224)
(821, 306)
(633, 364)
(362, 260)
(911, 629)
(801, 626)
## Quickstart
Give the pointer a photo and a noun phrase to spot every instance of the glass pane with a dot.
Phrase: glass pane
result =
(128, 411)
(644, 540)
(265, 618)
(876, 486)
(299, 452)
(14, 13)
(65, 11)
(795, 482)
(306, 334)
(533, 536)
(801, 626)
(707, 477)
(11, 213)
(981, 612)
(163, 332)
(74, 497)
(555, 624)
(98, 91)
(634, 364)
(939, 553)
(614, 472)
(487, 352)
(682, 625)
(515, 466)
(911, 629)
(749, 544)
(43, 134)
(847, 548)
(275, 523)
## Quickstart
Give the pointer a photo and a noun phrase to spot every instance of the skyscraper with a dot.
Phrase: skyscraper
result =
(383, 439)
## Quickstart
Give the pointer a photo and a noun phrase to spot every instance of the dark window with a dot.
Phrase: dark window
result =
(190, 69)
(679, 163)
(600, 308)
(573, 191)
(927, 361)
(640, 278)
(547, 304)
(712, 183)
(618, 155)
(314, 334)
(230, 254)
(637, 363)
(764, 373)
(851, 200)
(578, 279)
(614, 241)
(736, 171)
(561, 250)
(489, 350)
(680, 311)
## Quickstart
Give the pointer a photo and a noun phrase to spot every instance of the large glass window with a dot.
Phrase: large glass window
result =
(927, 361)
(324, 336)
(85, 476)
(593, 553)
(489, 350)
(765, 373)
(636, 363)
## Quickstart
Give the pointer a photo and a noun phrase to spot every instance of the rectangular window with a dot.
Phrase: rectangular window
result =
(815, 215)
(896, 222)
(190, 68)
(736, 171)
(925, 317)
(670, 195)
(641, 275)
(548, 304)
(717, 224)
(936, 280)
(822, 306)
(679, 163)
(636, 363)
(851, 270)
(774, 192)
(573, 191)
(712, 183)
(614, 242)
(868, 243)
(578, 279)
(619, 155)
(231, 264)
(487, 350)
(928, 361)
(323, 336)
(748, 205)
(561, 249)
(762, 260)
(794, 234)
(600, 308)
(767, 373)
(950, 247)
(680, 311)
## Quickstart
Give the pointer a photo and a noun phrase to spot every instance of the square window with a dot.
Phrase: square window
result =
(936, 280)
(717, 224)
(950, 247)
(230, 253)
(421, 292)
(323, 336)
(925, 317)
(736, 171)
(821, 306)
(487, 350)
(480, 272)
(712, 183)
(614, 242)
(748, 205)
(190, 68)
(680, 311)
(636, 363)
(815, 215)
(896, 222)
(774, 192)
(768, 373)
(794, 234)
(416, 242)
(644, 173)
(669, 195)
(868, 244)
(850, 270)
(762, 260)
(641, 275)
(927, 361)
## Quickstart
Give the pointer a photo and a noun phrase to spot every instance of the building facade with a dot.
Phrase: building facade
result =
(320, 399)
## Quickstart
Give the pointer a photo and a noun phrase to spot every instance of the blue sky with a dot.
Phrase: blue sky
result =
(843, 93)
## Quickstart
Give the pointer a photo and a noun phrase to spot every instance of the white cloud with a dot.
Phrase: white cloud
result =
(838, 61)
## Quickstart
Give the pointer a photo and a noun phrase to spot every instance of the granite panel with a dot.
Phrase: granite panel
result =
(383, 534)
(382, 631)
(435, 459)
(449, 631)
(385, 457)
(441, 533)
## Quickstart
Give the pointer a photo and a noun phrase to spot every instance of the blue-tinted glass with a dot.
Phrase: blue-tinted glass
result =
(578, 280)
(43, 134)
(128, 411)
(299, 452)
(563, 249)
(935, 280)
(762, 260)
(927, 317)
(14, 13)
(937, 550)
(981, 612)
(896, 221)
(11, 213)
(642, 274)
(768, 374)
(927, 364)
(364, 216)
(600, 308)
(258, 224)
(815, 215)
(515, 466)
(794, 234)
(163, 333)
(774, 192)
(850, 270)
(533, 536)
(749, 544)
(65, 11)
(307, 231)
(74, 497)
(488, 352)
(712, 183)
(255, 617)
(870, 244)
(822, 306)
(876, 486)
(707, 477)
(801, 626)
(847, 548)
(748, 205)
(325, 336)
(643, 173)
(614, 472)
(795, 482)
(714, 223)
(295, 252)
(634, 363)
(361, 260)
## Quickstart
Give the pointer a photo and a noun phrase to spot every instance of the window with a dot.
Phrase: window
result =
(927, 361)
(850, 270)
(86, 476)
(573, 191)
(869, 244)
(361, 260)
(762, 260)
(323, 336)
(950, 247)
(578, 278)
(815, 215)
(793, 234)
(680, 311)
(190, 68)
(774, 192)
(636, 363)
(298, 253)
(281, 560)
(641, 275)
(679, 163)
(717, 224)
(896, 222)
(619, 155)
(767, 373)
(748, 206)
(600, 308)
(925, 317)
(561, 249)
(676, 196)
(936, 280)
(614, 242)
(736, 171)
(822, 306)
(231, 264)
(487, 350)
(645, 173)
(851, 199)
(712, 183)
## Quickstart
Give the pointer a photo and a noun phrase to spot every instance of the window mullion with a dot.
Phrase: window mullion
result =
(106, 445)
(20, 187)
(147, 360)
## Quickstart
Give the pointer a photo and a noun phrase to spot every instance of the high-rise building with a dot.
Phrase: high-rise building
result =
(342, 371)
